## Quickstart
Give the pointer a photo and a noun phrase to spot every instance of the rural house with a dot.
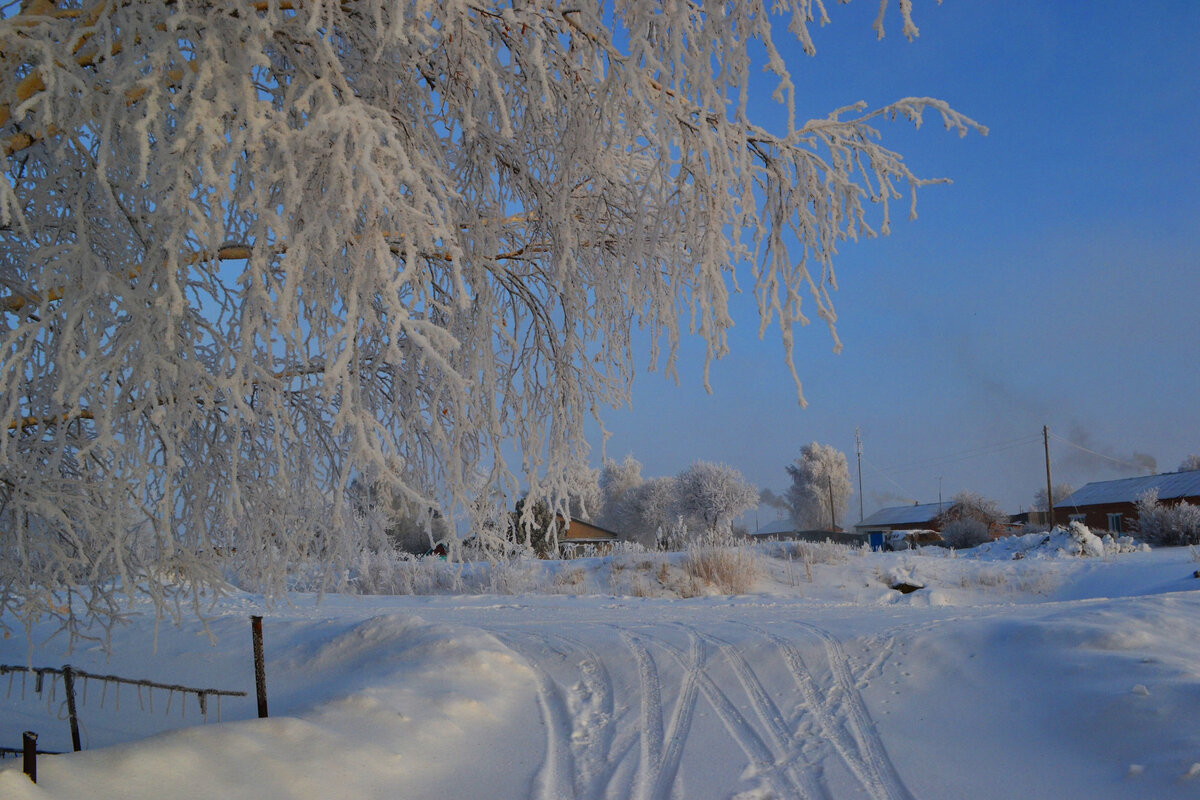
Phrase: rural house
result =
(785, 530)
(581, 535)
(918, 517)
(1112, 505)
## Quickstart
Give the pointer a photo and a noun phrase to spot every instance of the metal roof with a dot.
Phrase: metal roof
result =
(779, 526)
(1170, 485)
(904, 515)
(787, 528)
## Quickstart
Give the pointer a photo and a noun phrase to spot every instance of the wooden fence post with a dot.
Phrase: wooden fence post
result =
(69, 684)
(260, 671)
(29, 754)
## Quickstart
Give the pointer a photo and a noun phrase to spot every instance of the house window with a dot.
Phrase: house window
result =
(1114, 522)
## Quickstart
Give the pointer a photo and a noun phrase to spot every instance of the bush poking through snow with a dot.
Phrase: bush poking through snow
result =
(966, 532)
(730, 570)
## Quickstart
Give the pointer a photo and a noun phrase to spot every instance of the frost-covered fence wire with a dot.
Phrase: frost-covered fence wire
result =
(70, 674)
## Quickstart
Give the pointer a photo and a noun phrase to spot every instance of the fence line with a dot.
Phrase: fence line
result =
(71, 674)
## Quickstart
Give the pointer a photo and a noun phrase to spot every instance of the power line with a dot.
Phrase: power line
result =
(883, 475)
(963, 455)
(1100, 455)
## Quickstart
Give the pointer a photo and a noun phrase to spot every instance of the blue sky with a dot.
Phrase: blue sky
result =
(1055, 282)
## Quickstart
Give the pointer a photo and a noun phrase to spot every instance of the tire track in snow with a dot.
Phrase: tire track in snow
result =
(615, 729)
(662, 750)
(861, 725)
(556, 776)
(651, 717)
(681, 722)
(789, 741)
(856, 740)
(766, 762)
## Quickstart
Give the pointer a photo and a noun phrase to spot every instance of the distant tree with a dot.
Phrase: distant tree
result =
(820, 471)
(416, 528)
(616, 480)
(649, 511)
(1060, 490)
(713, 495)
(967, 505)
(1190, 463)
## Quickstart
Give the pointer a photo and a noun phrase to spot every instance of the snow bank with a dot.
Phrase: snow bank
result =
(820, 681)
(1075, 540)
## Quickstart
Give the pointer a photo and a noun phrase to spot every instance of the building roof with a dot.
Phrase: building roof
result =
(903, 515)
(1170, 485)
(777, 527)
(581, 530)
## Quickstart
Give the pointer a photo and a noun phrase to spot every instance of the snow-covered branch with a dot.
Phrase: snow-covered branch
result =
(459, 210)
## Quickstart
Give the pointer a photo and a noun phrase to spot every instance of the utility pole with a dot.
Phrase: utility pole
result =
(939, 494)
(1049, 486)
(832, 518)
(858, 447)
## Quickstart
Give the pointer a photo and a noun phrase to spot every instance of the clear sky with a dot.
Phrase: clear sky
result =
(1055, 282)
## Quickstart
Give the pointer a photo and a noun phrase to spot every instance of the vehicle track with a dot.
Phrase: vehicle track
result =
(841, 714)
(619, 703)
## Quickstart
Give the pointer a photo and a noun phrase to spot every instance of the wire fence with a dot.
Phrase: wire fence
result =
(76, 682)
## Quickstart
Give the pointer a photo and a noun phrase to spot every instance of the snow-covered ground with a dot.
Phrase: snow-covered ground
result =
(1051, 675)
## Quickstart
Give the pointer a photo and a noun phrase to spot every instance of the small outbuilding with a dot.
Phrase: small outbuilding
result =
(880, 527)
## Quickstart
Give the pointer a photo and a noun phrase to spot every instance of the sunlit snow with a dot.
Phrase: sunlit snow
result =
(1048, 675)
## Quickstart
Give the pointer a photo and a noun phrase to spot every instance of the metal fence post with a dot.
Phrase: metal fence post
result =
(29, 754)
(260, 672)
(69, 684)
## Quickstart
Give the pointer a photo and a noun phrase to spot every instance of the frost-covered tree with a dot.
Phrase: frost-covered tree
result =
(713, 495)
(250, 251)
(1190, 463)
(1060, 490)
(820, 471)
(974, 506)
(584, 496)
(617, 479)
(649, 511)
(1167, 524)
(620, 483)
(410, 526)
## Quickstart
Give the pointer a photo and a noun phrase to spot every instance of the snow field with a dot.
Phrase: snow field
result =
(1053, 675)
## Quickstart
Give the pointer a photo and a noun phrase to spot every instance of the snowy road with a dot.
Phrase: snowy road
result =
(667, 710)
(1035, 679)
(691, 701)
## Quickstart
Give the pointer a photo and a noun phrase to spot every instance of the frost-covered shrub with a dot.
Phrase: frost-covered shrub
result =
(1167, 525)
(966, 532)
(826, 552)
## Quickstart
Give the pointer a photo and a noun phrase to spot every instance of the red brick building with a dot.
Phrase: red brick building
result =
(1112, 505)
